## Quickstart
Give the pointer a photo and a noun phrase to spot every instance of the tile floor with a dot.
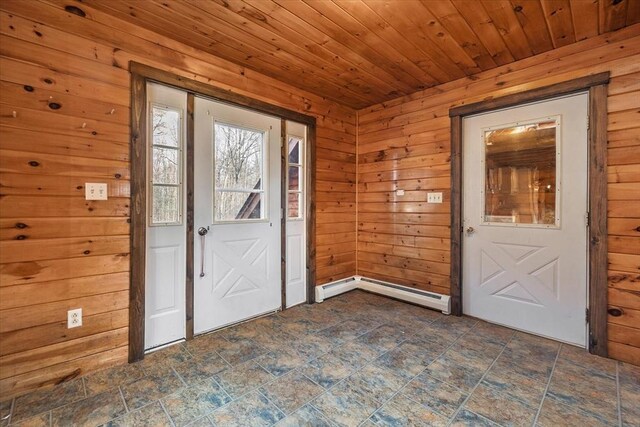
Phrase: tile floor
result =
(357, 359)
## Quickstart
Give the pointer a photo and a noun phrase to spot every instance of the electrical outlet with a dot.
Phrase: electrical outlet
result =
(74, 318)
(95, 191)
(399, 192)
(434, 197)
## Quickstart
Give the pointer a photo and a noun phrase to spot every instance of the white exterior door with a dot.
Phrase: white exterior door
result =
(525, 206)
(166, 229)
(296, 214)
(237, 201)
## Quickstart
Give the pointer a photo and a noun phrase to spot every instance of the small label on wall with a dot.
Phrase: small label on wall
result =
(95, 191)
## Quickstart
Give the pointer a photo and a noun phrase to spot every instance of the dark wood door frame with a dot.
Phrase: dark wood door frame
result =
(140, 75)
(596, 86)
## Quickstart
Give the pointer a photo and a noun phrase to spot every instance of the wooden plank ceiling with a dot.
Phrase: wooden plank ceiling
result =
(362, 52)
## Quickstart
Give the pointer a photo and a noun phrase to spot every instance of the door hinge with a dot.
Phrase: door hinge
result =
(586, 315)
(588, 219)
(588, 122)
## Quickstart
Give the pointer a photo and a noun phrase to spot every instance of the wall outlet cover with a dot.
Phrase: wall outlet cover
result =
(434, 197)
(74, 318)
(95, 191)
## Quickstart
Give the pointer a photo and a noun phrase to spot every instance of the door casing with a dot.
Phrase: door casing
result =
(140, 75)
(596, 85)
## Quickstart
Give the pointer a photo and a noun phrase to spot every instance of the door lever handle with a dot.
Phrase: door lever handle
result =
(202, 231)
(470, 230)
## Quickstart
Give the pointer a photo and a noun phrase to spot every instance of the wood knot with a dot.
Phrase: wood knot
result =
(118, 176)
(75, 10)
(21, 237)
(28, 88)
(615, 312)
(94, 133)
(34, 163)
(54, 106)
(21, 225)
(638, 228)
(518, 8)
(87, 252)
(47, 81)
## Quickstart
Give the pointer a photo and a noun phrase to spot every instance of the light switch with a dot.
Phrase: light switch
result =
(434, 197)
(399, 192)
(95, 191)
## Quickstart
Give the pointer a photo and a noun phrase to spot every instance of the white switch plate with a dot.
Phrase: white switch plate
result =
(74, 318)
(399, 192)
(434, 197)
(95, 191)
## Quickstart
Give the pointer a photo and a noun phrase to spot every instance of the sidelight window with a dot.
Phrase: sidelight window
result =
(295, 177)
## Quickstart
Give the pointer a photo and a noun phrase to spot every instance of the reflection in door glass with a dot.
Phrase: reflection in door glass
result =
(520, 174)
(239, 157)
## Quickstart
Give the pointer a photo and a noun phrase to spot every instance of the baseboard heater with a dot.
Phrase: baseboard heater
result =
(404, 293)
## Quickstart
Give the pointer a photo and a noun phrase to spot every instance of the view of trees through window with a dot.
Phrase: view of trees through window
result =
(294, 185)
(239, 161)
(165, 166)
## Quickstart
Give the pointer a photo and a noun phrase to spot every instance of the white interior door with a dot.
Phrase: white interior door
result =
(525, 206)
(166, 229)
(237, 201)
(296, 214)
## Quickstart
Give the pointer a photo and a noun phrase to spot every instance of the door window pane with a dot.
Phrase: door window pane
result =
(294, 150)
(520, 174)
(236, 205)
(238, 158)
(165, 168)
(294, 178)
(165, 205)
(238, 168)
(294, 210)
(295, 175)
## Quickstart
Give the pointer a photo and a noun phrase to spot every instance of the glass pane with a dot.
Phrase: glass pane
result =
(294, 149)
(234, 205)
(238, 158)
(166, 127)
(165, 204)
(294, 178)
(166, 168)
(294, 207)
(520, 174)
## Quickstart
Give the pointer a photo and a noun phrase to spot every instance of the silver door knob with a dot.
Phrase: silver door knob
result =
(470, 230)
(203, 231)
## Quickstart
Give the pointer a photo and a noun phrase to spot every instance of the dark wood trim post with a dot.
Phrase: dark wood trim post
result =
(596, 85)
(598, 277)
(456, 216)
(138, 227)
(190, 186)
(310, 213)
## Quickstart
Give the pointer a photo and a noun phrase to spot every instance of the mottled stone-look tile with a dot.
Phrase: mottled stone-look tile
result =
(241, 351)
(311, 346)
(281, 361)
(500, 408)
(206, 344)
(554, 413)
(374, 382)
(327, 370)
(629, 376)
(149, 416)
(42, 420)
(252, 410)
(342, 332)
(466, 418)
(441, 397)
(291, 391)
(355, 353)
(94, 410)
(195, 402)
(464, 377)
(39, 401)
(592, 391)
(630, 404)
(422, 349)
(401, 411)
(307, 416)
(5, 411)
(113, 377)
(402, 363)
(343, 407)
(509, 380)
(582, 357)
(538, 369)
(192, 371)
(534, 346)
(243, 378)
(201, 422)
(162, 361)
(149, 389)
(383, 338)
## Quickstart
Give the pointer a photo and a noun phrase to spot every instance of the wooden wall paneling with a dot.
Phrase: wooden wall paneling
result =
(531, 16)
(585, 18)
(559, 21)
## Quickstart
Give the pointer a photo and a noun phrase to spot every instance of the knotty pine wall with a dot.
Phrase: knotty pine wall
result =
(58, 251)
(405, 144)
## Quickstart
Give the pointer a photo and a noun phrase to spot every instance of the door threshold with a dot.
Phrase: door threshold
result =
(248, 319)
(161, 346)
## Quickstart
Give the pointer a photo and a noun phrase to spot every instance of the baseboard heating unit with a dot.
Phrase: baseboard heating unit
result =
(404, 293)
